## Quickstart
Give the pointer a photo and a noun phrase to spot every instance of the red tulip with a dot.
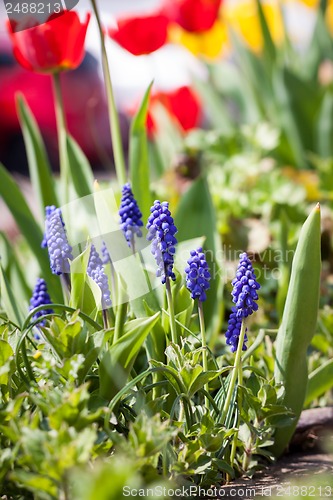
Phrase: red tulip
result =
(183, 106)
(140, 34)
(193, 15)
(56, 45)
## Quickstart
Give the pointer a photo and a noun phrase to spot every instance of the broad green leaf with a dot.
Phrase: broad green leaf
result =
(14, 271)
(138, 158)
(8, 300)
(79, 168)
(320, 381)
(325, 126)
(118, 361)
(39, 167)
(44, 486)
(298, 324)
(29, 228)
(320, 46)
(286, 120)
(85, 293)
(5, 353)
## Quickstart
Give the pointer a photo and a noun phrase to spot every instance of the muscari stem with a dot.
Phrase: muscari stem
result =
(204, 347)
(62, 135)
(117, 145)
(173, 328)
(235, 372)
(105, 315)
(235, 438)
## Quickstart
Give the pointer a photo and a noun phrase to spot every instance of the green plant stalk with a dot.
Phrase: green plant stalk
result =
(204, 347)
(173, 328)
(120, 321)
(62, 134)
(235, 373)
(117, 145)
(106, 319)
(235, 438)
(298, 325)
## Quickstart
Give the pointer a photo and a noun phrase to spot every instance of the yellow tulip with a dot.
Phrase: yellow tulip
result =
(243, 18)
(209, 44)
(329, 16)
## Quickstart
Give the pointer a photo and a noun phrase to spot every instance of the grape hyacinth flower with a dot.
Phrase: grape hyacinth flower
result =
(197, 282)
(106, 259)
(161, 232)
(244, 296)
(55, 239)
(130, 216)
(197, 275)
(96, 271)
(40, 297)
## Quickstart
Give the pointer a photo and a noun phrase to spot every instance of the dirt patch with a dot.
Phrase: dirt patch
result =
(305, 472)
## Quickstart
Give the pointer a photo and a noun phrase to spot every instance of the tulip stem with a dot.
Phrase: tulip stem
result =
(204, 347)
(117, 145)
(235, 372)
(62, 135)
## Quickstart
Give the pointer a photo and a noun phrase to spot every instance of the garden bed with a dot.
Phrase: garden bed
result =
(306, 465)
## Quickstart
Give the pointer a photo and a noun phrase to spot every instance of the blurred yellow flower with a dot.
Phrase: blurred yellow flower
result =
(209, 43)
(329, 16)
(242, 17)
(313, 4)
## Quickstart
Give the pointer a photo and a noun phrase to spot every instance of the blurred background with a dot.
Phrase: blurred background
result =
(185, 61)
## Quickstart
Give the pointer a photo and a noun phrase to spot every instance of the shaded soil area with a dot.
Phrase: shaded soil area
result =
(306, 471)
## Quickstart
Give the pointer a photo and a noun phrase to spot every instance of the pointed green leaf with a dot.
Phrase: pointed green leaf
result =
(298, 324)
(320, 381)
(8, 300)
(268, 44)
(80, 171)
(138, 157)
(39, 167)
(118, 361)
(22, 214)
(85, 293)
(325, 126)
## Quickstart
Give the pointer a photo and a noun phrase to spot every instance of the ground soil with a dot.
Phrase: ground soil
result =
(308, 464)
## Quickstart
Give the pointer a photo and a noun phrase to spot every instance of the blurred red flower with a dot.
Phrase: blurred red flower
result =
(56, 45)
(140, 34)
(182, 104)
(193, 15)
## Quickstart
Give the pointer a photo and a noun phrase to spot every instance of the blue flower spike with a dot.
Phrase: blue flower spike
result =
(244, 296)
(161, 232)
(55, 240)
(197, 281)
(130, 216)
(106, 259)
(40, 297)
(197, 275)
(96, 272)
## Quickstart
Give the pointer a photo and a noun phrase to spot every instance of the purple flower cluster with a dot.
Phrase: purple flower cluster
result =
(197, 275)
(130, 215)
(106, 259)
(233, 332)
(244, 296)
(161, 232)
(55, 239)
(40, 297)
(96, 271)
